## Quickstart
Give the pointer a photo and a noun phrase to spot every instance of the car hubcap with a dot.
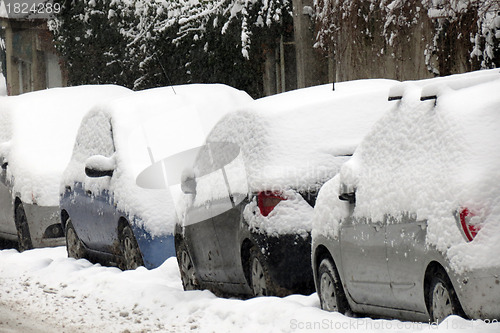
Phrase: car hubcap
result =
(441, 302)
(23, 232)
(187, 271)
(258, 278)
(131, 254)
(327, 292)
(73, 244)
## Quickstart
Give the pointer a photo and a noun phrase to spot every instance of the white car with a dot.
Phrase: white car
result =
(410, 227)
(107, 213)
(37, 133)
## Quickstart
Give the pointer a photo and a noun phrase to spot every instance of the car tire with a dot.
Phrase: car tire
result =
(330, 291)
(260, 280)
(74, 245)
(186, 268)
(23, 231)
(443, 300)
(131, 254)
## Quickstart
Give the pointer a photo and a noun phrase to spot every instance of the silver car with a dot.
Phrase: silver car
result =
(37, 133)
(410, 227)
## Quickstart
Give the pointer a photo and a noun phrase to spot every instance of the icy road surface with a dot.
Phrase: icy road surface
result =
(43, 291)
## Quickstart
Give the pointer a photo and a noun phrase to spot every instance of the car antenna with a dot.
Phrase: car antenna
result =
(165, 73)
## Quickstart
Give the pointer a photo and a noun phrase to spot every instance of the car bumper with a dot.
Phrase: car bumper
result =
(155, 250)
(288, 259)
(479, 294)
(45, 225)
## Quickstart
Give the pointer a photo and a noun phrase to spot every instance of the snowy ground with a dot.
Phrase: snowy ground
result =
(43, 291)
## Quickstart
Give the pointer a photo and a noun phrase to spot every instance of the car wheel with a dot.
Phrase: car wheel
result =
(330, 291)
(443, 300)
(132, 257)
(23, 231)
(186, 268)
(74, 245)
(260, 281)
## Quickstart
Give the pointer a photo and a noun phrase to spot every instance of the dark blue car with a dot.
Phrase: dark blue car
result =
(106, 216)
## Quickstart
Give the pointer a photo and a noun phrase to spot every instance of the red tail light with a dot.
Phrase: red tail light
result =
(469, 230)
(267, 201)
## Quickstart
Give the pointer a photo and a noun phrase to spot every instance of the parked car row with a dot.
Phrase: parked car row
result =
(407, 227)
(380, 195)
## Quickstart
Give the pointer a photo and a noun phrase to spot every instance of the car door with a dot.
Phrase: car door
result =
(363, 259)
(93, 211)
(199, 231)
(228, 208)
(405, 251)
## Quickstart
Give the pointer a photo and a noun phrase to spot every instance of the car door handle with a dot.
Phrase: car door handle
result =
(422, 225)
(89, 192)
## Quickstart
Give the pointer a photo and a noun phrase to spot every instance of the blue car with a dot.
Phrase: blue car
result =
(106, 216)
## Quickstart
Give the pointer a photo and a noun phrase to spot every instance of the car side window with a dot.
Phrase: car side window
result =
(220, 174)
(95, 137)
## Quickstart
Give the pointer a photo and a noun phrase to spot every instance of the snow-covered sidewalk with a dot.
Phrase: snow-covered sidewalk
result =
(44, 291)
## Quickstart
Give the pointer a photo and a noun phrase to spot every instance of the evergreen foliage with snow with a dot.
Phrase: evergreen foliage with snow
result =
(143, 43)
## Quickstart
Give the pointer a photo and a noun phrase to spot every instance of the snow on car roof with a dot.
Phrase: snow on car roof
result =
(432, 87)
(294, 139)
(432, 158)
(41, 128)
(170, 120)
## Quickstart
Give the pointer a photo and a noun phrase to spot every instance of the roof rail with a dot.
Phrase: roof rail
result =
(456, 82)
(397, 91)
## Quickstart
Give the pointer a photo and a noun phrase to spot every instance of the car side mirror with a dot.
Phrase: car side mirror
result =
(347, 193)
(99, 166)
(188, 181)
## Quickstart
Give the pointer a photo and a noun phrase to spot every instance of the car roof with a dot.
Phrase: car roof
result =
(41, 129)
(293, 139)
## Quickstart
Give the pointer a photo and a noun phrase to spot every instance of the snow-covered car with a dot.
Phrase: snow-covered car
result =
(249, 196)
(106, 215)
(37, 133)
(410, 227)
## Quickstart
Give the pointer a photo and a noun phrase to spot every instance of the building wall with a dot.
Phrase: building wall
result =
(31, 61)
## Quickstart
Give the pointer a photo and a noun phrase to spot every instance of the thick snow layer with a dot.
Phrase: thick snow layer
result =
(38, 133)
(431, 160)
(44, 289)
(295, 139)
(329, 209)
(149, 126)
(294, 142)
(290, 216)
(3, 85)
